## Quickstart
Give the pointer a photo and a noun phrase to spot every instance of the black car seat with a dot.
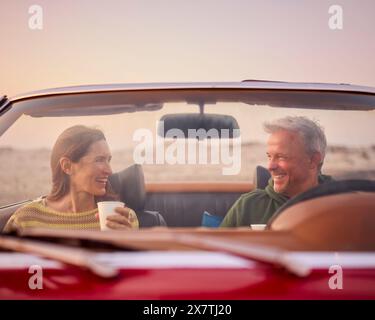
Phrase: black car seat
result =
(130, 185)
(261, 177)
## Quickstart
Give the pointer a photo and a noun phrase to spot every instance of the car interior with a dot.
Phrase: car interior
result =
(173, 204)
(192, 201)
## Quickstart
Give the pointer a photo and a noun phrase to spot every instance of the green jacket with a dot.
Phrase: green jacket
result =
(258, 206)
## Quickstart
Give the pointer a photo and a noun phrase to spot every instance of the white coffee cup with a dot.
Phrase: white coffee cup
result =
(107, 208)
(258, 226)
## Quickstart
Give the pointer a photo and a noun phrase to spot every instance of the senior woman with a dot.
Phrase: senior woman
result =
(80, 163)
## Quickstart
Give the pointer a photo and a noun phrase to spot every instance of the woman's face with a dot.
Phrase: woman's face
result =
(90, 174)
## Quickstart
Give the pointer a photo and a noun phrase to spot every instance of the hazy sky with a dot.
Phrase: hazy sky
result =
(86, 42)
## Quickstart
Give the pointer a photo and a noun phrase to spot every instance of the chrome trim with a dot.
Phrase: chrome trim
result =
(249, 84)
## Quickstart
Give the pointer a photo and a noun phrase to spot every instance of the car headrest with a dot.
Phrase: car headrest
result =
(130, 185)
(326, 189)
(342, 222)
(261, 177)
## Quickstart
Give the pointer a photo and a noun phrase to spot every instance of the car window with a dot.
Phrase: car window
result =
(26, 147)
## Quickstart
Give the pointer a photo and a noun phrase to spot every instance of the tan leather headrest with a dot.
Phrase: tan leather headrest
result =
(336, 222)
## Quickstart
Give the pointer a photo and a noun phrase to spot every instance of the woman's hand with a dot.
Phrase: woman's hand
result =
(124, 219)
(121, 220)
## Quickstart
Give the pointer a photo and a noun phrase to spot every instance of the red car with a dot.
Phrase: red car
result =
(320, 245)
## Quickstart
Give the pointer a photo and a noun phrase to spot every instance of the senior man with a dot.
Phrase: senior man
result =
(295, 150)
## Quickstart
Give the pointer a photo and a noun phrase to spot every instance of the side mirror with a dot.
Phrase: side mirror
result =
(199, 126)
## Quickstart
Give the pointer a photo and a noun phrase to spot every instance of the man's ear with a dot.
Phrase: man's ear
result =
(66, 165)
(316, 160)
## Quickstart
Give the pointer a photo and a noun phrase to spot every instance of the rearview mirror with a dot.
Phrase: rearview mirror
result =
(199, 126)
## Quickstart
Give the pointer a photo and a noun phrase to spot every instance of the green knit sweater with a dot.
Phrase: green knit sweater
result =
(37, 214)
(258, 206)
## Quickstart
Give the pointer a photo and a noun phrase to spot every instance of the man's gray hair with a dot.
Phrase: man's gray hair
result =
(310, 131)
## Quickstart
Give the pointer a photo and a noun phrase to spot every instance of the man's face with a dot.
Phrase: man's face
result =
(288, 162)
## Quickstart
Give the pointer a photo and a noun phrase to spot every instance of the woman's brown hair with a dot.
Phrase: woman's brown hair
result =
(73, 143)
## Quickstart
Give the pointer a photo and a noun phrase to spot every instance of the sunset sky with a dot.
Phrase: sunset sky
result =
(121, 41)
(88, 41)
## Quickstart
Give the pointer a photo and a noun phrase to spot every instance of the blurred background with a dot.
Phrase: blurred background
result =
(138, 41)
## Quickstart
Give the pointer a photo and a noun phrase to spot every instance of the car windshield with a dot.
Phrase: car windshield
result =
(25, 148)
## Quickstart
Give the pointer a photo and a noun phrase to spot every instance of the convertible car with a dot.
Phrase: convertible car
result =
(183, 153)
